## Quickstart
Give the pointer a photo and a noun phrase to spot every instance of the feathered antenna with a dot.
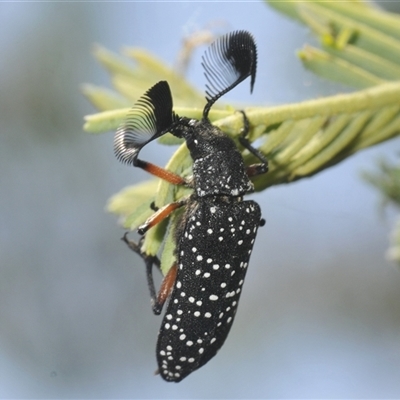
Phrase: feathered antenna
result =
(148, 119)
(227, 62)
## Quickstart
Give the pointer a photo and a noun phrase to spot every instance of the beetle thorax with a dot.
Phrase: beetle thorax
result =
(218, 168)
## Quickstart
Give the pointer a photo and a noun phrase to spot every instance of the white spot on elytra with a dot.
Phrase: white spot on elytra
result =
(213, 297)
(215, 266)
(199, 257)
(182, 337)
(196, 313)
(206, 274)
(189, 343)
(209, 231)
(191, 299)
(223, 284)
(207, 315)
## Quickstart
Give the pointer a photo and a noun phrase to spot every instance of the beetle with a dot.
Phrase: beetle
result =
(214, 236)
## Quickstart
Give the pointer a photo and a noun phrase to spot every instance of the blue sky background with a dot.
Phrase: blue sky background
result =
(320, 312)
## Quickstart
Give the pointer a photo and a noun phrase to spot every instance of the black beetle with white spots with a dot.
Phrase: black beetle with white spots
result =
(216, 232)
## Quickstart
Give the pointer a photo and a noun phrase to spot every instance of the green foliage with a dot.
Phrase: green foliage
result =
(361, 45)
(360, 48)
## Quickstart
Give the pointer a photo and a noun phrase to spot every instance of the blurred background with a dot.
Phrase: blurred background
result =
(320, 313)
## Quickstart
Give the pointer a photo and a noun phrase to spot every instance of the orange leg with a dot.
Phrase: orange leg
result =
(161, 214)
(161, 173)
(165, 289)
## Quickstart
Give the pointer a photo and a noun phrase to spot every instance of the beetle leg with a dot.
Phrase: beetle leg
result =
(160, 215)
(161, 173)
(165, 289)
(149, 262)
(253, 169)
(157, 300)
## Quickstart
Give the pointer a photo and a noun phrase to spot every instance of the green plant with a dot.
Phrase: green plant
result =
(360, 48)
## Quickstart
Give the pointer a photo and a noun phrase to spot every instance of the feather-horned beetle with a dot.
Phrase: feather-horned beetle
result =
(215, 235)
